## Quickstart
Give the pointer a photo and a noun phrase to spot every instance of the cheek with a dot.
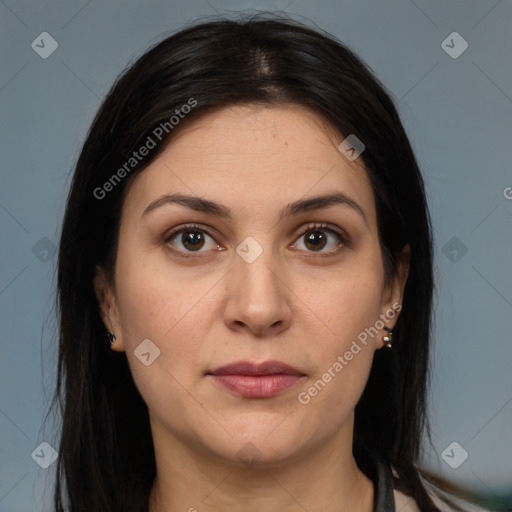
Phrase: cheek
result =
(172, 310)
(151, 309)
(349, 307)
(154, 299)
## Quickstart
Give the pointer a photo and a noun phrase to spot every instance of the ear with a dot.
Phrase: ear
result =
(108, 307)
(393, 293)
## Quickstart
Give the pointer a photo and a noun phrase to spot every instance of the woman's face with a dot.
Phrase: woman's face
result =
(258, 283)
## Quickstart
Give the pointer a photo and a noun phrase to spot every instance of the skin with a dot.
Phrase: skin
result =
(291, 304)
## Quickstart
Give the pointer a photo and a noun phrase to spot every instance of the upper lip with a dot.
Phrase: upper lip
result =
(248, 368)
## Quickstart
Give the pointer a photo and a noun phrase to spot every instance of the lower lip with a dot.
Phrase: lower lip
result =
(257, 386)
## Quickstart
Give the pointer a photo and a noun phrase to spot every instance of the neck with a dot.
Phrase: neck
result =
(326, 478)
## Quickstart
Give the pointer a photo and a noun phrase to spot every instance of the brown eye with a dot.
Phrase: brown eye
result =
(318, 236)
(191, 238)
(316, 240)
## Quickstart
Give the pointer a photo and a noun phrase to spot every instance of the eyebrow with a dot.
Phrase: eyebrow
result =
(204, 205)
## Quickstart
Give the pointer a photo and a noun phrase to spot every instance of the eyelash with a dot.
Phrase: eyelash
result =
(344, 240)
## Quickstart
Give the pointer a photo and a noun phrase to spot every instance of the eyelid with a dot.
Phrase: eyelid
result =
(324, 225)
(184, 227)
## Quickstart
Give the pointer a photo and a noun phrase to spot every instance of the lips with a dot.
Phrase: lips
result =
(251, 380)
(266, 368)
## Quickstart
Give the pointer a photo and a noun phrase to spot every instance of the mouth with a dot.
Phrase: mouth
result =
(251, 380)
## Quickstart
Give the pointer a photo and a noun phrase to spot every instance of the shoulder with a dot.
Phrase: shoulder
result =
(464, 505)
(404, 503)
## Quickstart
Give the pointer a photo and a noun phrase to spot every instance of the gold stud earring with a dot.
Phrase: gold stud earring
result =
(388, 338)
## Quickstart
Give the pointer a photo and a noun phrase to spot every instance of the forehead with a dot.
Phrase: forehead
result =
(255, 159)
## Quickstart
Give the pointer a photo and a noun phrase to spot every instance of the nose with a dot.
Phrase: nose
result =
(258, 297)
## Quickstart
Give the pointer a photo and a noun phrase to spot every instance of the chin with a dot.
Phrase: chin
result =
(263, 449)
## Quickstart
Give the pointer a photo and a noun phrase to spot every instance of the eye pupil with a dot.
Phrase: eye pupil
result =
(191, 238)
(317, 240)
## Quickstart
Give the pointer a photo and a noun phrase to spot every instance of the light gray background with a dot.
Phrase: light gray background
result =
(457, 113)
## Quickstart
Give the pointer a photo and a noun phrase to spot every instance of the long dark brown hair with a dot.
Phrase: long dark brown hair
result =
(106, 458)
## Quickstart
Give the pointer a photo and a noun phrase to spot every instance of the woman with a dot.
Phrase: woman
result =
(245, 286)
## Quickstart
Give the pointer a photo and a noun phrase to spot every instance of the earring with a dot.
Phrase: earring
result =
(111, 338)
(388, 338)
